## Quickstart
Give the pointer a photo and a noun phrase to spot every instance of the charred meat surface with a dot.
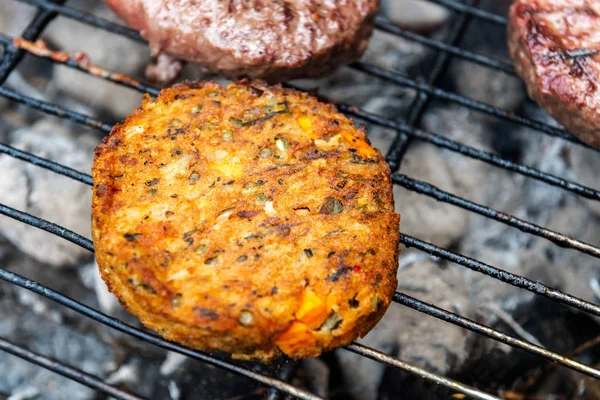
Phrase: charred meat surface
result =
(216, 225)
(272, 40)
(555, 44)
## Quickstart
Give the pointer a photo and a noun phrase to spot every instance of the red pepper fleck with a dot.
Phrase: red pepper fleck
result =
(356, 268)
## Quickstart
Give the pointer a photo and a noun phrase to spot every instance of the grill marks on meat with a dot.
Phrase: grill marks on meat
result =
(555, 45)
(268, 39)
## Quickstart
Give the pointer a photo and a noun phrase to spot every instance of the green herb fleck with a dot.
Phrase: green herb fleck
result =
(242, 258)
(331, 206)
(238, 123)
(265, 153)
(332, 322)
(280, 108)
(194, 177)
(131, 237)
(211, 261)
(282, 144)
(261, 198)
(227, 135)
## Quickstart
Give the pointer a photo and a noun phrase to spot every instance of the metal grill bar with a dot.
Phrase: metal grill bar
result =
(367, 68)
(480, 59)
(86, 18)
(429, 137)
(440, 380)
(510, 220)
(47, 226)
(286, 372)
(473, 326)
(50, 165)
(53, 109)
(373, 118)
(504, 276)
(419, 305)
(476, 12)
(380, 23)
(351, 110)
(114, 323)
(87, 244)
(12, 57)
(471, 152)
(60, 368)
(63, 58)
(420, 187)
(402, 141)
(407, 240)
(449, 144)
(398, 179)
(404, 80)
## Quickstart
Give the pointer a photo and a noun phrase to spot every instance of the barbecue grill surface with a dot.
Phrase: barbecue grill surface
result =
(405, 134)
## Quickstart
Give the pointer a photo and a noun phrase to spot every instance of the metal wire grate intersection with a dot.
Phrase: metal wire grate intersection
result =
(405, 134)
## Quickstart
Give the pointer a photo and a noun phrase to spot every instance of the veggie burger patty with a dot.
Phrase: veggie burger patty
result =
(249, 219)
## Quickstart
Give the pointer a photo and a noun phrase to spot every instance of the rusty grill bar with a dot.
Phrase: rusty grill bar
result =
(405, 133)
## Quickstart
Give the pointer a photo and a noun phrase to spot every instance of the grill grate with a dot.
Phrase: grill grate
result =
(405, 134)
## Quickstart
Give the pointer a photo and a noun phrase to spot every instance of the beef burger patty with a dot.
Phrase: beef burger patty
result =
(273, 40)
(554, 44)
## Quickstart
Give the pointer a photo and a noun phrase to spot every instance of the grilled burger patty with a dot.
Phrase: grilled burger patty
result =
(269, 39)
(554, 44)
(249, 219)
